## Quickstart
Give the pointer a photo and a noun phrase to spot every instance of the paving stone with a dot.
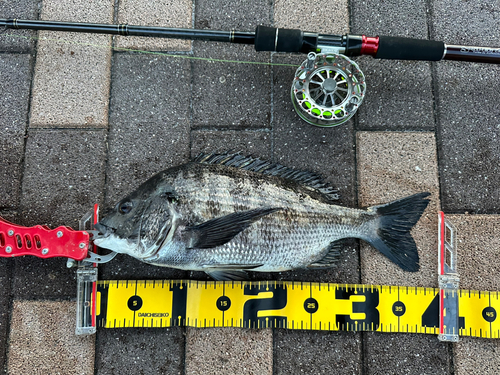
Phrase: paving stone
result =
(229, 351)
(248, 143)
(72, 70)
(390, 17)
(476, 356)
(15, 88)
(468, 112)
(391, 166)
(239, 15)
(63, 178)
(226, 16)
(478, 240)
(468, 133)
(323, 17)
(43, 340)
(162, 13)
(326, 151)
(330, 153)
(230, 94)
(227, 93)
(472, 23)
(306, 352)
(149, 120)
(140, 351)
(398, 93)
(43, 278)
(18, 40)
(125, 267)
(5, 297)
(149, 132)
(412, 354)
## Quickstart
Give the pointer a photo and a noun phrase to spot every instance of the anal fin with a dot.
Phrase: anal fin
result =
(331, 257)
(227, 275)
(230, 272)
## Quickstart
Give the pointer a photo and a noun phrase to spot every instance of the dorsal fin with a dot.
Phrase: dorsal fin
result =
(265, 167)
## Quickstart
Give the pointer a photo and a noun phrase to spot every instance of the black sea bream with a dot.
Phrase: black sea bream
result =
(226, 214)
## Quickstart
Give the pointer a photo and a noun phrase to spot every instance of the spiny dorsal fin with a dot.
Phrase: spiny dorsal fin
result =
(265, 167)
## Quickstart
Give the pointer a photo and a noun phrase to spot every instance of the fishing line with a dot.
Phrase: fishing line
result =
(157, 53)
(327, 88)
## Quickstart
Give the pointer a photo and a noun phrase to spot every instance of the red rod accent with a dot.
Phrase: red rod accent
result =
(369, 45)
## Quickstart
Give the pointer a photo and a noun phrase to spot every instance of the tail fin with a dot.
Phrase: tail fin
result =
(393, 238)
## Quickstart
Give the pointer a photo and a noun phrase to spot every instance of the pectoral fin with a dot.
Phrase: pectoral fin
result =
(221, 230)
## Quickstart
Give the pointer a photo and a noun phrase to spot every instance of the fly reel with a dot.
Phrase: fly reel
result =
(327, 89)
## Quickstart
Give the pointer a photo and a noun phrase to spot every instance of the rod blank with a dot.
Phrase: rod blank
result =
(286, 40)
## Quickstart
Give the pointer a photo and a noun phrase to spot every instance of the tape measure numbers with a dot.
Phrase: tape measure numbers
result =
(292, 305)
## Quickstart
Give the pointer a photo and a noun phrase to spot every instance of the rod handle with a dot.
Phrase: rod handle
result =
(284, 40)
(398, 48)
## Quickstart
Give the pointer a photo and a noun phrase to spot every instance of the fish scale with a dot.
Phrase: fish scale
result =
(226, 213)
(298, 239)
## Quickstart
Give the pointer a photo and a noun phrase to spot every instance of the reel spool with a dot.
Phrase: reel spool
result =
(327, 89)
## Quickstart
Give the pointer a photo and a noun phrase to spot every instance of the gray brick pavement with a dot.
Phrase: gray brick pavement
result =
(468, 111)
(18, 40)
(399, 94)
(5, 296)
(468, 133)
(14, 104)
(149, 119)
(49, 327)
(303, 352)
(228, 94)
(77, 158)
(143, 351)
(161, 110)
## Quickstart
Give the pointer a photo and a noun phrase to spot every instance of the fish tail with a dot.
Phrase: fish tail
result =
(392, 237)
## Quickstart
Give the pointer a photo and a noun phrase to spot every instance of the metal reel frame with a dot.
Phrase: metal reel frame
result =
(327, 89)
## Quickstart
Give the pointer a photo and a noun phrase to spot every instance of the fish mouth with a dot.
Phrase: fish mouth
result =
(104, 230)
(132, 245)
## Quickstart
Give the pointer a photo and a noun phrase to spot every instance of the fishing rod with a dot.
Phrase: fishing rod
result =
(328, 87)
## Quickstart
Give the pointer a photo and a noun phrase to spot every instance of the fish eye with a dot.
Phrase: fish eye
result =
(171, 198)
(125, 207)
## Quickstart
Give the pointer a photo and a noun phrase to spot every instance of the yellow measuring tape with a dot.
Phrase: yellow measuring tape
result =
(291, 305)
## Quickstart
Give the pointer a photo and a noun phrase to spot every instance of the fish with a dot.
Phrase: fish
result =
(226, 214)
